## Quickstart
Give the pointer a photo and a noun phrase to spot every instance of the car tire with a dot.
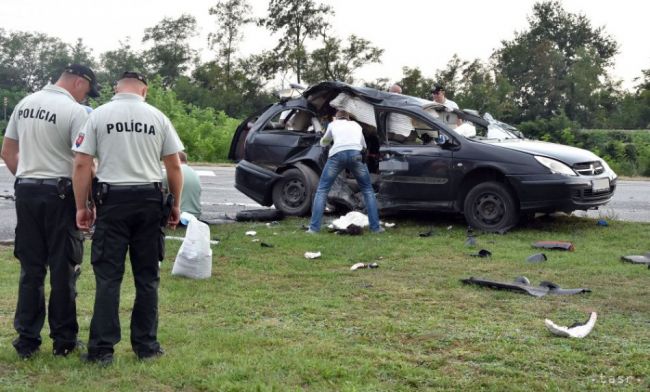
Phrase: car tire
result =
(490, 206)
(294, 192)
(259, 215)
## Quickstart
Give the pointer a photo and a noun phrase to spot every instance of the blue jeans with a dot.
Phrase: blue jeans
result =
(351, 160)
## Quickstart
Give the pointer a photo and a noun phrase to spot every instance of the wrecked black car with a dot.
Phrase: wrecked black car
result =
(421, 156)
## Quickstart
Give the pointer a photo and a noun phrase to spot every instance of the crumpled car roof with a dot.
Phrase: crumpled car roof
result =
(377, 97)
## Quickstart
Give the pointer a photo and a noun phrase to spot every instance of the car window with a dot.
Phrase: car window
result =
(409, 130)
(293, 120)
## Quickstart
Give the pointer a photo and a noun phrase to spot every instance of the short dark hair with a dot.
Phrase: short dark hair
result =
(437, 88)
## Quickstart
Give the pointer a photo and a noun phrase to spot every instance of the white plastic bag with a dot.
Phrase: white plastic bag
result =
(194, 258)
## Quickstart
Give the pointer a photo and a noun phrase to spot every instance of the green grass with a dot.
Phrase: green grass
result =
(270, 320)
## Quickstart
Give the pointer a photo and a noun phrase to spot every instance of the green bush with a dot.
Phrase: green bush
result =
(206, 133)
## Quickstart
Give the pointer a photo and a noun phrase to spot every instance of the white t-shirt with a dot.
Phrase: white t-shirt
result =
(45, 125)
(129, 137)
(347, 135)
(450, 104)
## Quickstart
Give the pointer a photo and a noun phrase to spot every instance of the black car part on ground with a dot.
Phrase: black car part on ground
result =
(259, 215)
(522, 285)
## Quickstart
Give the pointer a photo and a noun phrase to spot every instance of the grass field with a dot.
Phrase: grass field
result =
(270, 320)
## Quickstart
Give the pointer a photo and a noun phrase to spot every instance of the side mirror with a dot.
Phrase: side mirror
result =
(441, 140)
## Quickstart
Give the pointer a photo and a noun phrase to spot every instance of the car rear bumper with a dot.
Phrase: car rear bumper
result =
(537, 193)
(255, 182)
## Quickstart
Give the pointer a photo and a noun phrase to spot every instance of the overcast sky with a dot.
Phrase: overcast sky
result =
(414, 33)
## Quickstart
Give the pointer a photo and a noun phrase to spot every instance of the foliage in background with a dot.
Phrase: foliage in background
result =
(550, 80)
(206, 133)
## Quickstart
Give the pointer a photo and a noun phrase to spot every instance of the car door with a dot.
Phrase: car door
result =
(413, 169)
(286, 133)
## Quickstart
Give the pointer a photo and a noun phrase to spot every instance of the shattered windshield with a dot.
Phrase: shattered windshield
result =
(500, 130)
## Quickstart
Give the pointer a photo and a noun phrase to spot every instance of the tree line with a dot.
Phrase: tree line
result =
(549, 79)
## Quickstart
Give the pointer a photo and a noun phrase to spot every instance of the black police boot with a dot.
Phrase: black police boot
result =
(25, 351)
(101, 359)
(64, 350)
(150, 354)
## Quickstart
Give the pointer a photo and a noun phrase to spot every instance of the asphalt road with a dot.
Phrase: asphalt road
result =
(221, 201)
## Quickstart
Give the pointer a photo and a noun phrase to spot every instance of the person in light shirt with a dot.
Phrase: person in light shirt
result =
(345, 153)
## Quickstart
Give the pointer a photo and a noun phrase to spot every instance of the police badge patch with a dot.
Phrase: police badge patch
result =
(80, 139)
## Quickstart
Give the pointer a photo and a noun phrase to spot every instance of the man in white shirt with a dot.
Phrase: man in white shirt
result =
(345, 153)
(438, 95)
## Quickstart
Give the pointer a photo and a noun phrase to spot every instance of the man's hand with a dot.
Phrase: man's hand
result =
(85, 219)
(174, 217)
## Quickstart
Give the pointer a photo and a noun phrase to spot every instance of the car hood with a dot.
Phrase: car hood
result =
(567, 154)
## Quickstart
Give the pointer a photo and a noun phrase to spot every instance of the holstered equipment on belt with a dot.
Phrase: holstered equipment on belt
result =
(62, 186)
(100, 190)
(168, 204)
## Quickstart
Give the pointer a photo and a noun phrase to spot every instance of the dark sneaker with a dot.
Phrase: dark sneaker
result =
(152, 354)
(67, 349)
(105, 359)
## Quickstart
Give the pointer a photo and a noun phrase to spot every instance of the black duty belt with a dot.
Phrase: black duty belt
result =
(139, 187)
(39, 181)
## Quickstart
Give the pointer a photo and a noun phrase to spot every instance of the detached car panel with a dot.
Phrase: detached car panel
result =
(421, 156)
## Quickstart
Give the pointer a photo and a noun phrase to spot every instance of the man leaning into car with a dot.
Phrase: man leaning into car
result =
(345, 153)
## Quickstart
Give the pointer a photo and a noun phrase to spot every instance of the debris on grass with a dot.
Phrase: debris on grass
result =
(638, 259)
(536, 258)
(363, 265)
(251, 233)
(312, 255)
(522, 285)
(483, 253)
(559, 245)
(577, 330)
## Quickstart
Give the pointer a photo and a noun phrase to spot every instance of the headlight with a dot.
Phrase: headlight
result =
(556, 167)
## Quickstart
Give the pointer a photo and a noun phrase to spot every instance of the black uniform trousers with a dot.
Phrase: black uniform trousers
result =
(46, 237)
(126, 220)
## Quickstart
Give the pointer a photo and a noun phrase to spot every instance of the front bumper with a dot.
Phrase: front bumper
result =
(549, 193)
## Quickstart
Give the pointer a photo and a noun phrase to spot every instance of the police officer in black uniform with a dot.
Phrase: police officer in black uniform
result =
(129, 138)
(37, 150)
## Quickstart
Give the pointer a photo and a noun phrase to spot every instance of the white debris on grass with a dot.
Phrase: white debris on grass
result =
(577, 331)
(357, 266)
(389, 225)
(312, 255)
(351, 218)
(251, 233)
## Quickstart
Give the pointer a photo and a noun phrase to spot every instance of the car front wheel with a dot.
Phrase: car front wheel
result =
(294, 192)
(489, 206)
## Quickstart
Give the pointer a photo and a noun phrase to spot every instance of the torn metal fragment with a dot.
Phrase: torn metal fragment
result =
(470, 241)
(536, 258)
(638, 259)
(522, 285)
(482, 253)
(560, 245)
(576, 330)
